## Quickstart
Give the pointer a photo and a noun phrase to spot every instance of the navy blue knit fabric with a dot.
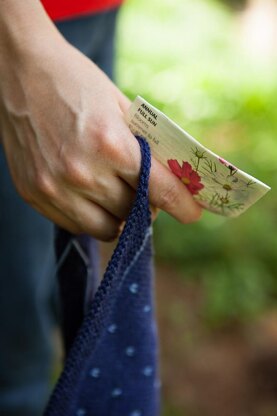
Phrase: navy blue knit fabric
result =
(111, 367)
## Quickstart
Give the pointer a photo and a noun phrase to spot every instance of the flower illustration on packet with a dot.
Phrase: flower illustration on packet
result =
(187, 175)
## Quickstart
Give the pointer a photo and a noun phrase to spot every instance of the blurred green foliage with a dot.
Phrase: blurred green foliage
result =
(186, 57)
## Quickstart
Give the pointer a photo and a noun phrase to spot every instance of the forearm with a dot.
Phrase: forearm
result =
(24, 28)
(27, 36)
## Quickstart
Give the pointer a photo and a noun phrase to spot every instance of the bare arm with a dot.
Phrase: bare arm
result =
(69, 151)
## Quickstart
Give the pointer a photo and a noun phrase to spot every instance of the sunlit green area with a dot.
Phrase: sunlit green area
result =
(187, 58)
(200, 62)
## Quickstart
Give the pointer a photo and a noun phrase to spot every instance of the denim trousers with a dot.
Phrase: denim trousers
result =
(27, 260)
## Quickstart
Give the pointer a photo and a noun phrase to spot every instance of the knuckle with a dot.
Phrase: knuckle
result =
(104, 134)
(44, 184)
(169, 198)
(74, 172)
(108, 143)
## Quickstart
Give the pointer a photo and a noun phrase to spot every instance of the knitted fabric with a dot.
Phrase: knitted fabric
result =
(111, 367)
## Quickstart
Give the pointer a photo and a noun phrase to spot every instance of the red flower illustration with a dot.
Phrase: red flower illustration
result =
(187, 175)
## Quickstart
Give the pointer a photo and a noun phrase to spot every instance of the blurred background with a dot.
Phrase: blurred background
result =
(210, 65)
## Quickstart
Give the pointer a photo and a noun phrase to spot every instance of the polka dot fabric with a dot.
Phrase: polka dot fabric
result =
(111, 367)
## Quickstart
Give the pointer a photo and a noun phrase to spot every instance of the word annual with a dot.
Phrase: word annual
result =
(151, 116)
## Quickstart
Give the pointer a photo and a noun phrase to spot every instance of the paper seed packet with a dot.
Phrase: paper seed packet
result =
(216, 184)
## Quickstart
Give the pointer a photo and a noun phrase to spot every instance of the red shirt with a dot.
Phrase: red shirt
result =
(61, 9)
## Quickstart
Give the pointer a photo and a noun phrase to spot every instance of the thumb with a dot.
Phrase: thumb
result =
(168, 193)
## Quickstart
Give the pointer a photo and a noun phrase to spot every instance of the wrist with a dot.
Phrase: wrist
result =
(25, 30)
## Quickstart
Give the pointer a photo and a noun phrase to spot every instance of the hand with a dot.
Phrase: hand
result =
(70, 153)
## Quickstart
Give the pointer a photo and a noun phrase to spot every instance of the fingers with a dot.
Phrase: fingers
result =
(92, 219)
(100, 209)
(114, 195)
(166, 191)
(120, 199)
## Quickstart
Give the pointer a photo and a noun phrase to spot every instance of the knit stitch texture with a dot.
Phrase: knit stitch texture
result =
(110, 332)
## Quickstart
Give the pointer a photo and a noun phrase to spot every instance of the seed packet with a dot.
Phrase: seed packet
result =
(216, 184)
